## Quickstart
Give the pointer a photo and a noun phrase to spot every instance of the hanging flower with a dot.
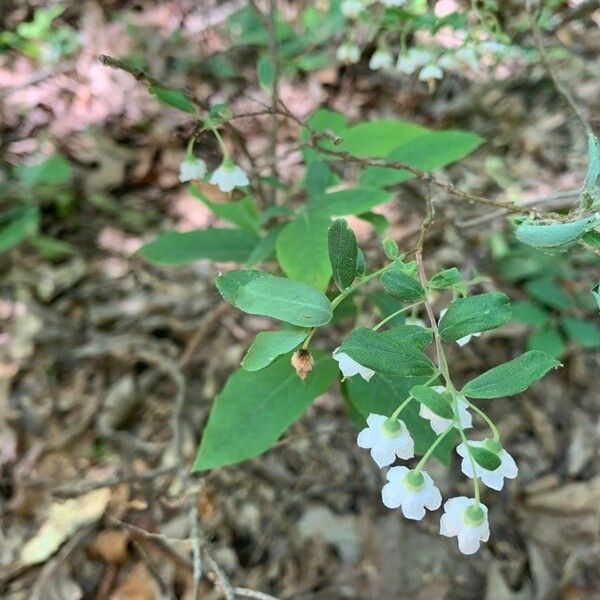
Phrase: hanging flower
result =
(413, 59)
(431, 72)
(467, 520)
(348, 53)
(440, 424)
(467, 58)
(381, 59)
(349, 367)
(413, 491)
(352, 8)
(386, 438)
(229, 176)
(493, 479)
(191, 168)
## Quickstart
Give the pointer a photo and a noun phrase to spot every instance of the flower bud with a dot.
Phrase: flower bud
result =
(303, 362)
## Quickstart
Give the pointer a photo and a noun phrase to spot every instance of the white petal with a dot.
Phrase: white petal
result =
(404, 446)
(383, 455)
(434, 499)
(365, 372)
(493, 479)
(430, 72)
(374, 420)
(397, 474)
(412, 507)
(367, 438)
(463, 341)
(468, 540)
(509, 466)
(449, 526)
(466, 420)
(392, 495)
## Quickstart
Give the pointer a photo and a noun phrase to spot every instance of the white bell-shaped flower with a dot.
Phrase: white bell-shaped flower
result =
(387, 439)
(381, 59)
(349, 367)
(413, 491)
(191, 168)
(393, 3)
(430, 72)
(467, 58)
(440, 424)
(493, 479)
(348, 53)
(467, 520)
(415, 58)
(352, 8)
(229, 176)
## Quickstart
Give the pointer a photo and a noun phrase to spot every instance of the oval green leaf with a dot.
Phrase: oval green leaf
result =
(512, 377)
(470, 315)
(269, 345)
(402, 286)
(556, 237)
(440, 404)
(343, 253)
(280, 298)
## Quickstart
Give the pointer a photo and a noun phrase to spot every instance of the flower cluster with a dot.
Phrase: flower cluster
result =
(413, 490)
(430, 64)
(227, 176)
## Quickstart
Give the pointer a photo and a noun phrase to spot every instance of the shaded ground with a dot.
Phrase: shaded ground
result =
(100, 350)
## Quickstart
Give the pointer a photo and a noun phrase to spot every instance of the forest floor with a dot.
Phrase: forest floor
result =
(103, 356)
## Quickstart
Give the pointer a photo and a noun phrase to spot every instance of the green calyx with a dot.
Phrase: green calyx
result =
(474, 515)
(493, 446)
(414, 481)
(391, 427)
(228, 164)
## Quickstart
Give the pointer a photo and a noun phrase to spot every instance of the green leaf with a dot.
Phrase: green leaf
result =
(354, 201)
(440, 404)
(174, 248)
(269, 345)
(582, 332)
(382, 354)
(427, 152)
(445, 279)
(379, 222)
(55, 170)
(379, 138)
(382, 395)
(280, 298)
(265, 247)
(361, 264)
(391, 249)
(230, 282)
(548, 292)
(413, 335)
(529, 313)
(546, 340)
(23, 223)
(302, 249)
(556, 237)
(512, 377)
(318, 177)
(265, 70)
(254, 408)
(470, 315)
(241, 212)
(486, 458)
(172, 97)
(402, 286)
(343, 253)
(593, 170)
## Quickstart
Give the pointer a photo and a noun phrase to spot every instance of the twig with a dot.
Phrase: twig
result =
(564, 199)
(560, 87)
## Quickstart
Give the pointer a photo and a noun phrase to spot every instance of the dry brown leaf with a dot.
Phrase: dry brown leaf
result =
(64, 519)
(111, 546)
